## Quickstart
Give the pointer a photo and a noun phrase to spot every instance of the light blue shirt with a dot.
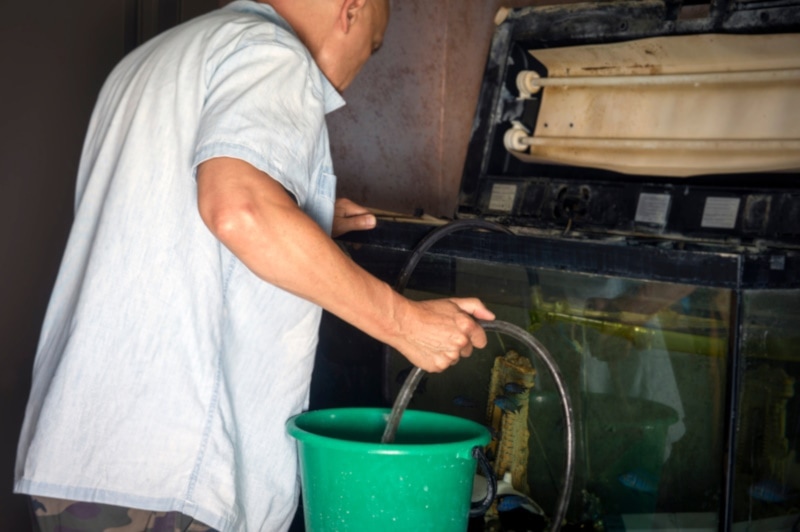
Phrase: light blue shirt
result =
(166, 369)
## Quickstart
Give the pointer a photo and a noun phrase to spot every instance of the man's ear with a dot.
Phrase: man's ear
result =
(349, 13)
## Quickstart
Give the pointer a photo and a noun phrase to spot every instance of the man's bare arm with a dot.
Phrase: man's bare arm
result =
(254, 217)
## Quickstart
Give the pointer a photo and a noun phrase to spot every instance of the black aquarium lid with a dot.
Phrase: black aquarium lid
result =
(391, 243)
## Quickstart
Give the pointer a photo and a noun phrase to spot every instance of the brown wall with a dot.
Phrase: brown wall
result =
(401, 141)
(399, 144)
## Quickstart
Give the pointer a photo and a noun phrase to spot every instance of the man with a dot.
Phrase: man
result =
(182, 328)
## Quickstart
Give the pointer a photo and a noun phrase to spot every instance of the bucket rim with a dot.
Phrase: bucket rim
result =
(462, 447)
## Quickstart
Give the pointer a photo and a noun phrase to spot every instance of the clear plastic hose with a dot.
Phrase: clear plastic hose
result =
(407, 391)
(413, 379)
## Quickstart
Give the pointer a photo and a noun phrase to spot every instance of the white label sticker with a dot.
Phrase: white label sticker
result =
(502, 198)
(652, 208)
(777, 262)
(720, 213)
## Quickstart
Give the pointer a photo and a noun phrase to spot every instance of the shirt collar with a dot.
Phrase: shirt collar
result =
(333, 100)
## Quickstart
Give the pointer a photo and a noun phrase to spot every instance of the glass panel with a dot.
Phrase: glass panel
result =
(766, 493)
(645, 364)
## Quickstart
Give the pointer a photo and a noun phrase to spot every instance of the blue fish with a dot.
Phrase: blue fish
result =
(769, 491)
(506, 404)
(639, 481)
(510, 502)
(514, 388)
(464, 402)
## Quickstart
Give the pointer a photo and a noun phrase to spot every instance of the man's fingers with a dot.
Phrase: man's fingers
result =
(473, 307)
(345, 224)
(346, 207)
(359, 222)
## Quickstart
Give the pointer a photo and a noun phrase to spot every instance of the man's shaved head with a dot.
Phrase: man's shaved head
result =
(340, 34)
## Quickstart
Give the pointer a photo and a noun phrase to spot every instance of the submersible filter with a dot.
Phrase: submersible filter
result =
(413, 379)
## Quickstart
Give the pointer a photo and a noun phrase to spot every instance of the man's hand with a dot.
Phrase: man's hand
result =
(349, 216)
(435, 334)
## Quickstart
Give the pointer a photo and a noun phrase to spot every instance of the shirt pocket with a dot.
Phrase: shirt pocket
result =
(320, 204)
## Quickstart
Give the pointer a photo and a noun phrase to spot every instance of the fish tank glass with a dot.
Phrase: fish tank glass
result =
(766, 488)
(681, 362)
(645, 364)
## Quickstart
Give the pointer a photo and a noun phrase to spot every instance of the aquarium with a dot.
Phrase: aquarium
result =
(644, 363)
(681, 362)
(630, 197)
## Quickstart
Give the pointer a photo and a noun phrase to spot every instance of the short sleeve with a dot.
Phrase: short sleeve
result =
(264, 107)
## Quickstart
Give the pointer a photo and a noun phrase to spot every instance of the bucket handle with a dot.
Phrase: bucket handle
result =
(479, 508)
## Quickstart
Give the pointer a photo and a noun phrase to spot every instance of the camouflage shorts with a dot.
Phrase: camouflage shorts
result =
(58, 515)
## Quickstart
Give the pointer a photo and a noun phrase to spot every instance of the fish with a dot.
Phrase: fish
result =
(640, 481)
(510, 502)
(515, 500)
(514, 388)
(464, 402)
(506, 404)
(770, 491)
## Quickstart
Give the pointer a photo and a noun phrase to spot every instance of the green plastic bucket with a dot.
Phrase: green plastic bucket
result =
(351, 481)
